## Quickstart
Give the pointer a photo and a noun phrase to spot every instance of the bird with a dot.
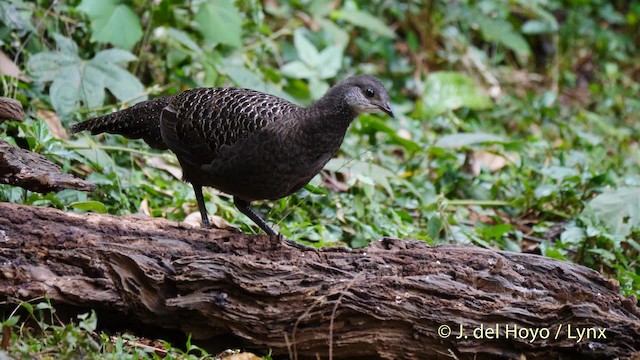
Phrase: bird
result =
(248, 144)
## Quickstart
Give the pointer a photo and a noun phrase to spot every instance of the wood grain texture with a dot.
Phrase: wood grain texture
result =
(34, 172)
(10, 109)
(386, 301)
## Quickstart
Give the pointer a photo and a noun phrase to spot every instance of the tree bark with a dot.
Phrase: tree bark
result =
(391, 300)
(35, 172)
(10, 109)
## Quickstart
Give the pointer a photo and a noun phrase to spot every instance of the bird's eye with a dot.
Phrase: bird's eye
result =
(369, 93)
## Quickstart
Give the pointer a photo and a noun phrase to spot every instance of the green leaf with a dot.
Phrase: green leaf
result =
(317, 87)
(306, 51)
(371, 122)
(15, 16)
(367, 173)
(545, 190)
(94, 206)
(496, 231)
(604, 254)
(112, 22)
(618, 210)
(244, 77)
(183, 39)
(330, 62)
(572, 235)
(364, 19)
(89, 321)
(434, 226)
(10, 321)
(552, 252)
(86, 147)
(313, 65)
(558, 172)
(502, 32)
(539, 27)
(466, 139)
(297, 69)
(220, 22)
(447, 90)
(76, 81)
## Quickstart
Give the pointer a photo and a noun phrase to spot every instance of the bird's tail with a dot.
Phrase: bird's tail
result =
(141, 121)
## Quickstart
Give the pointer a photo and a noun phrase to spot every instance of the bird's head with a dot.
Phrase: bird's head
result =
(366, 94)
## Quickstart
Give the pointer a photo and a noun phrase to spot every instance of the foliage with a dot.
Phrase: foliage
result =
(38, 333)
(517, 122)
(75, 81)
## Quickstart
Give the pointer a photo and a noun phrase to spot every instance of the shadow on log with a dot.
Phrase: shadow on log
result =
(392, 300)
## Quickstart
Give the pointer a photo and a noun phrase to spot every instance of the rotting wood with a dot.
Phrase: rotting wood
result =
(386, 301)
(35, 172)
(10, 109)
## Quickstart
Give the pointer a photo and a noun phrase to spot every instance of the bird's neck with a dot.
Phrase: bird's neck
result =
(330, 114)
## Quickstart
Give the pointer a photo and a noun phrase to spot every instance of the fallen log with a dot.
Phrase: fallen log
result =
(34, 172)
(30, 170)
(10, 109)
(392, 300)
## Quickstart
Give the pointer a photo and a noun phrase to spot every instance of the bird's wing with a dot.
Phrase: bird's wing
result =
(197, 123)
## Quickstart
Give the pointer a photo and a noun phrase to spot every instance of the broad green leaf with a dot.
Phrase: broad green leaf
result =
(434, 226)
(544, 190)
(306, 51)
(337, 35)
(618, 210)
(501, 31)
(552, 252)
(317, 87)
(86, 147)
(76, 81)
(330, 62)
(605, 254)
(496, 231)
(539, 27)
(220, 22)
(183, 39)
(107, 66)
(246, 78)
(15, 16)
(364, 19)
(320, 8)
(379, 125)
(66, 45)
(366, 172)
(467, 139)
(558, 172)
(572, 235)
(297, 69)
(446, 90)
(313, 65)
(115, 56)
(10, 321)
(112, 21)
(94, 206)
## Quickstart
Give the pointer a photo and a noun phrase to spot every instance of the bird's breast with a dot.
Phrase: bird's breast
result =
(266, 165)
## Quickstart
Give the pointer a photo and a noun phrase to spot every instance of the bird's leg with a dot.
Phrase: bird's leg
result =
(203, 210)
(245, 208)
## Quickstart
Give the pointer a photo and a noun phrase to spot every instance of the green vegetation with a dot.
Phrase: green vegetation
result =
(517, 122)
(43, 335)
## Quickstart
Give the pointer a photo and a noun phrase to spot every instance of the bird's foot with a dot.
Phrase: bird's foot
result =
(294, 243)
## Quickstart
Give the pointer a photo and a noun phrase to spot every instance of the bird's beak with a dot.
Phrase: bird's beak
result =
(386, 107)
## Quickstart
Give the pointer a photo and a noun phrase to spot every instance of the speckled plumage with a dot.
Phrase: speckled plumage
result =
(243, 142)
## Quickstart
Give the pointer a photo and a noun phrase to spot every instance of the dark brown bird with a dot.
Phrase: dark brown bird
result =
(248, 144)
